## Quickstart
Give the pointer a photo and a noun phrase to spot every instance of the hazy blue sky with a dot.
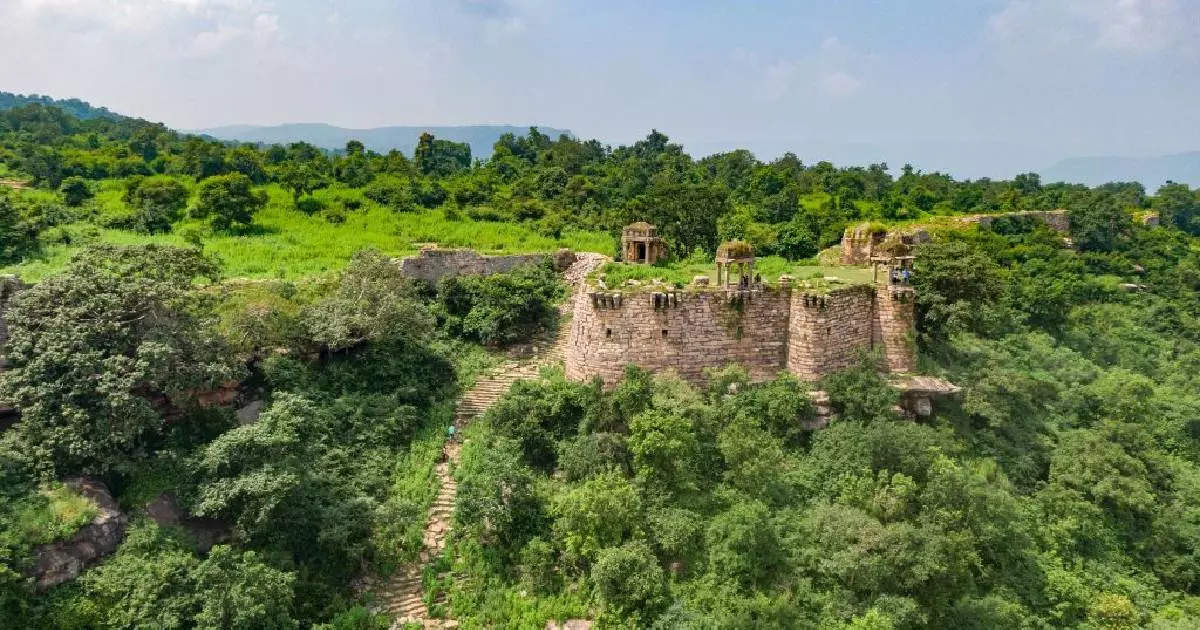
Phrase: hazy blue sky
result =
(989, 83)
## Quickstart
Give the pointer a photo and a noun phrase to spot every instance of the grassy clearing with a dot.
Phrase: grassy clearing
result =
(769, 267)
(54, 513)
(286, 243)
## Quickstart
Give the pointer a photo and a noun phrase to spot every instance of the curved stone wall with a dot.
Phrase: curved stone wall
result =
(765, 329)
(684, 331)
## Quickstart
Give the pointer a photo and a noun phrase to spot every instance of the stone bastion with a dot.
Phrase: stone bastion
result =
(767, 328)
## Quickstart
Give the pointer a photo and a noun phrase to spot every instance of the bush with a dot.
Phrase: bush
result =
(310, 205)
(501, 308)
(629, 579)
(393, 192)
(538, 413)
(229, 200)
(75, 191)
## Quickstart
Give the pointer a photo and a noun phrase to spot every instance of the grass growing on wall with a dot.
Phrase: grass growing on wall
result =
(769, 267)
(287, 243)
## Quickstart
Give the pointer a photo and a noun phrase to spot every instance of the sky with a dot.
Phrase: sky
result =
(978, 86)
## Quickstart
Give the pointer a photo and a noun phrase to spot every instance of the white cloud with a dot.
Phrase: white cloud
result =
(840, 84)
(1128, 26)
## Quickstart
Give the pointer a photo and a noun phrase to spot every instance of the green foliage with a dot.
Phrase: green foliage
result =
(495, 500)
(228, 200)
(96, 352)
(373, 301)
(54, 513)
(604, 511)
(1179, 207)
(629, 580)
(155, 580)
(539, 413)
(156, 202)
(860, 394)
(75, 190)
(18, 230)
(501, 308)
(440, 157)
(1100, 223)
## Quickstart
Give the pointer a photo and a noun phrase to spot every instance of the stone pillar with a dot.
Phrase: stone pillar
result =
(894, 327)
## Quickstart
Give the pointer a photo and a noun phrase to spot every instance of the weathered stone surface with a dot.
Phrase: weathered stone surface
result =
(563, 259)
(764, 328)
(165, 511)
(248, 413)
(63, 561)
(1056, 219)
(432, 264)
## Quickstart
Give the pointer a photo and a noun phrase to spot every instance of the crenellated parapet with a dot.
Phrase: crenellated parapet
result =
(766, 328)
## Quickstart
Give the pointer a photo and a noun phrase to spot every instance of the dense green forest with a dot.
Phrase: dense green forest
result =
(1060, 490)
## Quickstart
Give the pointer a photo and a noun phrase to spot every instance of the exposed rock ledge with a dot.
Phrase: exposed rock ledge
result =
(63, 561)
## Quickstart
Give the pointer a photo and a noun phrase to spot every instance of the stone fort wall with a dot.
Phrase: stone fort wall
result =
(432, 264)
(686, 331)
(860, 242)
(766, 330)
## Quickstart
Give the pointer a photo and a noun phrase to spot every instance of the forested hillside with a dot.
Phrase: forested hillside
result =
(75, 107)
(480, 138)
(219, 328)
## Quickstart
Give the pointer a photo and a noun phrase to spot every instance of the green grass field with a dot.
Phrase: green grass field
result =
(286, 243)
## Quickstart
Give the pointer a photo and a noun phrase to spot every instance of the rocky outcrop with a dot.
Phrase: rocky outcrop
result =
(165, 511)
(63, 561)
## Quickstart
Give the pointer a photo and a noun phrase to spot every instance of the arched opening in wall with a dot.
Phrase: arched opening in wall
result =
(608, 333)
(829, 330)
(664, 334)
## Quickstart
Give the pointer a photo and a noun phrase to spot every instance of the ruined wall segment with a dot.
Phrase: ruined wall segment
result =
(1056, 219)
(826, 331)
(432, 264)
(684, 331)
(894, 327)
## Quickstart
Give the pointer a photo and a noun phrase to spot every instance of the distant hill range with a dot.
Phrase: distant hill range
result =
(1151, 171)
(379, 139)
(73, 106)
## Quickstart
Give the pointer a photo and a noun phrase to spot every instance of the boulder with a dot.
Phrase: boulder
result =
(248, 413)
(164, 510)
(63, 561)
(563, 259)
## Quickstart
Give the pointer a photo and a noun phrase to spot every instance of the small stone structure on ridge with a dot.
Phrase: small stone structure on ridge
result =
(768, 328)
(640, 243)
(735, 255)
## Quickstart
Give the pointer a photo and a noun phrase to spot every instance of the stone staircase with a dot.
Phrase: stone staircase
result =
(403, 594)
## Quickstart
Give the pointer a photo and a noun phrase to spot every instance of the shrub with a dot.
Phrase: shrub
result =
(629, 579)
(310, 205)
(75, 191)
(229, 200)
(501, 308)
(373, 300)
(393, 192)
